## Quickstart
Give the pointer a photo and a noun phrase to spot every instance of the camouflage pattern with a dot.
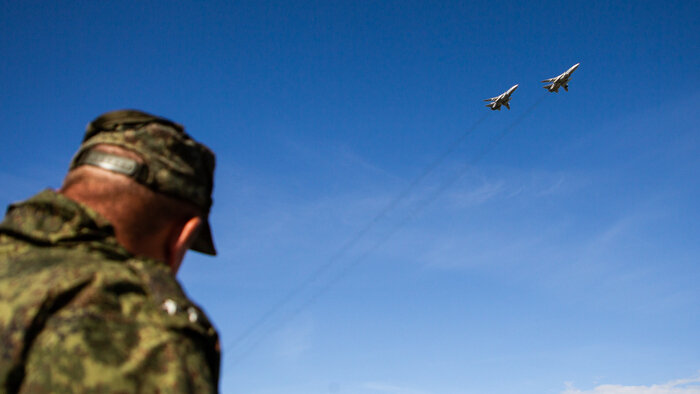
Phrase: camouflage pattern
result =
(175, 164)
(80, 314)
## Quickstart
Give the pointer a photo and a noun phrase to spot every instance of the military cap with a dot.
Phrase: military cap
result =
(173, 163)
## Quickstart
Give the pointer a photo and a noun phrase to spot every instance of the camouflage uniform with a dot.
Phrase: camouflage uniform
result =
(79, 313)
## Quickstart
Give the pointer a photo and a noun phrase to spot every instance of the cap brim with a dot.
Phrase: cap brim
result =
(204, 243)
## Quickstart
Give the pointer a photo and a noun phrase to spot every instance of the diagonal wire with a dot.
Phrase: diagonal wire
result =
(352, 241)
(417, 210)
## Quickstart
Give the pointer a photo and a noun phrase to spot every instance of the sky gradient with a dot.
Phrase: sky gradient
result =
(379, 229)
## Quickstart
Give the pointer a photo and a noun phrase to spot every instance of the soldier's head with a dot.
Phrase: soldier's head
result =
(150, 179)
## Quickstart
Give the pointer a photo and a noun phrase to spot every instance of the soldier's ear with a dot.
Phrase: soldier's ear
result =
(180, 241)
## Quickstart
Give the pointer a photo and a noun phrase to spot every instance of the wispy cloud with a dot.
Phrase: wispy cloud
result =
(680, 386)
(352, 159)
(325, 222)
(334, 155)
(295, 339)
(382, 387)
(512, 183)
(478, 195)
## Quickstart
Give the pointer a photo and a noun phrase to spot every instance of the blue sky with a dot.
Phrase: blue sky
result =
(553, 250)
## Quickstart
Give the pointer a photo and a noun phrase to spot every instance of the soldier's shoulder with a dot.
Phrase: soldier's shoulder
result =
(33, 273)
(142, 290)
(25, 265)
(168, 304)
(168, 315)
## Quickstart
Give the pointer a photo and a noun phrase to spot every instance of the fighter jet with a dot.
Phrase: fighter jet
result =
(503, 99)
(561, 80)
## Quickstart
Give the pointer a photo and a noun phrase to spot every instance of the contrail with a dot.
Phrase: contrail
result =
(352, 241)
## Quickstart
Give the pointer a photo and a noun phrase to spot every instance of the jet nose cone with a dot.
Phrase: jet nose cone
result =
(575, 66)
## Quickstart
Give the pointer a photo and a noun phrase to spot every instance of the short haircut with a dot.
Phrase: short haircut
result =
(136, 211)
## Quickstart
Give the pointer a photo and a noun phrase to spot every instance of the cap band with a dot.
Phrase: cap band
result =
(109, 162)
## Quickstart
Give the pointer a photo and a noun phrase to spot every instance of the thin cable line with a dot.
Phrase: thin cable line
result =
(352, 241)
(418, 209)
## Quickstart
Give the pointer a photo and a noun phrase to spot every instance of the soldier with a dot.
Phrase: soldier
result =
(88, 296)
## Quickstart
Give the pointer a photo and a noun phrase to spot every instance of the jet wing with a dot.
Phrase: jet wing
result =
(492, 98)
(550, 79)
